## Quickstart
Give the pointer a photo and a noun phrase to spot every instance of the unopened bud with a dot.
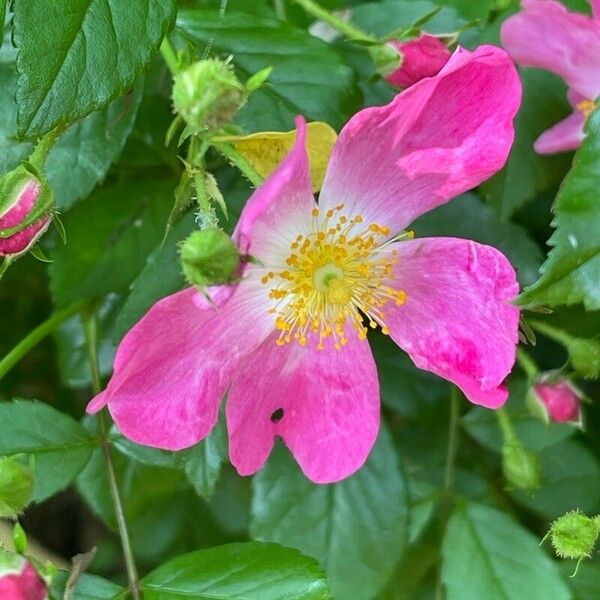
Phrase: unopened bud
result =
(574, 535)
(421, 57)
(209, 257)
(19, 579)
(555, 401)
(521, 467)
(584, 355)
(207, 94)
(386, 58)
(25, 211)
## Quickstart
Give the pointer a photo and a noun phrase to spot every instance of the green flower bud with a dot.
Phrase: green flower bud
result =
(207, 94)
(521, 467)
(386, 58)
(209, 257)
(574, 535)
(584, 355)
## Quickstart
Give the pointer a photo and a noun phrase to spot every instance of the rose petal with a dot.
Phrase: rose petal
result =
(329, 401)
(457, 321)
(565, 135)
(544, 34)
(23, 240)
(442, 136)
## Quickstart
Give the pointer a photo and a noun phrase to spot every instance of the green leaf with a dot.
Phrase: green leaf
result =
(58, 445)
(570, 480)
(311, 80)
(357, 528)
(2, 16)
(89, 587)
(526, 173)
(113, 231)
(252, 571)
(16, 487)
(572, 271)
(483, 226)
(75, 56)
(586, 583)
(487, 555)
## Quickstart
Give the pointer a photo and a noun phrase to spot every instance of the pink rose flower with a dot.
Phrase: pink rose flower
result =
(288, 343)
(14, 213)
(560, 401)
(20, 581)
(421, 57)
(545, 35)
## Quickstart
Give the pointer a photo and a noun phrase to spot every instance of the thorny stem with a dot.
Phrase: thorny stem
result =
(347, 29)
(239, 161)
(91, 336)
(35, 336)
(169, 56)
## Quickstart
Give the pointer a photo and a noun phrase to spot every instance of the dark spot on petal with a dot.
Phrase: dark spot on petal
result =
(277, 415)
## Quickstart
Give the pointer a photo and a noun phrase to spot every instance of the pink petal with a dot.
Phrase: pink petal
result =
(438, 138)
(595, 8)
(421, 57)
(565, 135)
(23, 240)
(330, 403)
(22, 206)
(560, 400)
(457, 321)
(280, 207)
(544, 34)
(26, 585)
(173, 367)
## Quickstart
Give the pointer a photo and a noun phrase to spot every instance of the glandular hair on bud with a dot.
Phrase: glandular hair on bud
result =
(207, 94)
(521, 467)
(574, 535)
(584, 355)
(209, 257)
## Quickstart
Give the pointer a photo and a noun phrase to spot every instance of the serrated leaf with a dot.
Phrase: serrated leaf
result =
(75, 56)
(311, 80)
(16, 486)
(266, 149)
(488, 555)
(357, 528)
(252, 571)
(571, 272)
(59, 446)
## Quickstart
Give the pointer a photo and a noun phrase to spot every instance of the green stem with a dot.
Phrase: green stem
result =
(452, 439)
(554, 333)
(43, 147)
(169, 56)
(279, 9)
(527, 364)
(347, 29)
(510, 437)
(37, 335)
(91, 336)
(239, 161)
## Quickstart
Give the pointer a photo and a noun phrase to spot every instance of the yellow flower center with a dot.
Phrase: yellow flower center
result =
(334, 275)
(587, 107)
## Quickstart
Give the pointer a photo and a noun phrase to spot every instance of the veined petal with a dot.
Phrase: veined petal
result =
(546, 35)
(565, 135)
(440, 137)
(173, 367)
(280, 207)
(457, 321)
(324, 404)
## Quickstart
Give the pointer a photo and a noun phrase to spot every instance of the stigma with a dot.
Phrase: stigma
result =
(336, 281)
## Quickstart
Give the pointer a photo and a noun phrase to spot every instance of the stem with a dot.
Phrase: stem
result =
(554, 333)
(37, 335)
(526, 363)
(91, 336)
(347, 29)
(169, 56)
(452, 439)
(43, 147)
(239, 161)
(510, 437)
(279, 9)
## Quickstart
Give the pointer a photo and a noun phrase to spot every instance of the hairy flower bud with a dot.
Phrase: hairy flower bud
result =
(521, 467)
(584, 355)
(421, 57)
(209, 257)
(19, 580)
(574, 535)
(207, 94)
(25, 211)
(555, 401)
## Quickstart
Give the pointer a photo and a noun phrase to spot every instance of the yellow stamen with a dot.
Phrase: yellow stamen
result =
(587, 107)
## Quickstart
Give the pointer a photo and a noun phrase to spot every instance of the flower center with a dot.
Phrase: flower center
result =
(587, 107)
(335, 275)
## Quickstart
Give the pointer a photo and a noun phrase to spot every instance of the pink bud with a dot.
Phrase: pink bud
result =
(559, 400)
(422, 57)
(22, 583)
(15, 213)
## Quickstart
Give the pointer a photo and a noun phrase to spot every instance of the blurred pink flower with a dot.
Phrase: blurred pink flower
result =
(544, 34)
(421, 57)
(15, 211)
(288, 343)
(560, 401)
(21, 582)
